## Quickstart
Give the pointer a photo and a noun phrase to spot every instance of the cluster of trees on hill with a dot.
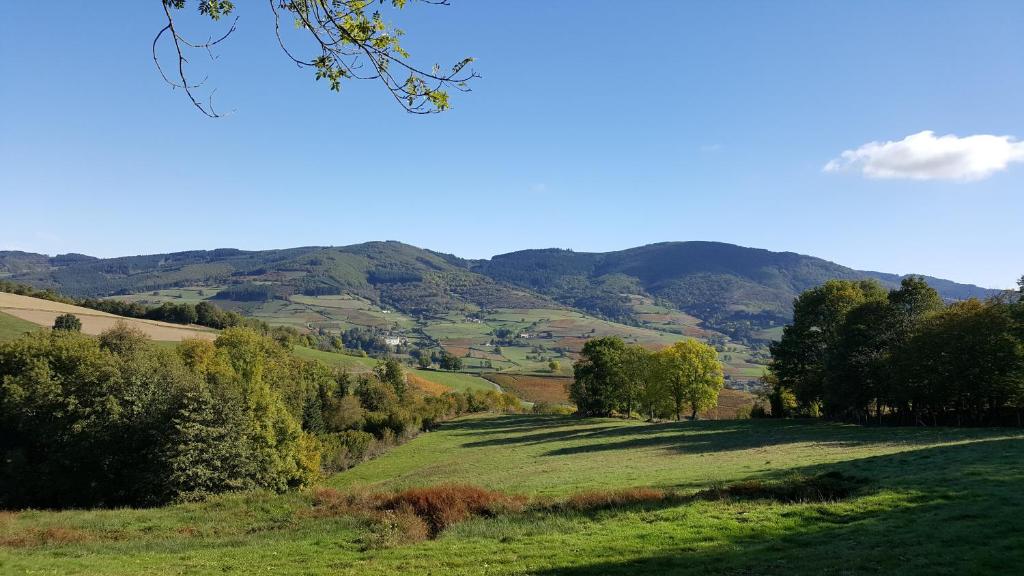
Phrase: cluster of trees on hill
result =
(203, 313)
(113, 420)
(613, 377)
(25, 290)
(249, 292)
(857, 352)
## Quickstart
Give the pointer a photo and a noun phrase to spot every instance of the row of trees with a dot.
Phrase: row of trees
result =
(114, 421)
(857, 352)
(612, 377)
(203, 313)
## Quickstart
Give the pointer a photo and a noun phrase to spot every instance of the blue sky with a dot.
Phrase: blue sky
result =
(595, 127)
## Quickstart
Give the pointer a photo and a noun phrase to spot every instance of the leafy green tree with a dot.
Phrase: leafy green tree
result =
(963, 365)
(339, 41)
(857, 366)
(423, 361)
(694, 376)
(67, 322)
(123, 338)
(376, 396)
(82, 427)
(450, 362)
(798, 359)
(554, 366)
(913, 301)
(637, 368)
(858, 375)
(390, 372)
(209, 315)
(278, 442)
(780, 399)
(209, 451)
(596, 387)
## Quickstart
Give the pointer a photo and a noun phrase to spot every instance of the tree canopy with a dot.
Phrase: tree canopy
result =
(114, 420)
(613, 377)
(693, 375)
(857, 354)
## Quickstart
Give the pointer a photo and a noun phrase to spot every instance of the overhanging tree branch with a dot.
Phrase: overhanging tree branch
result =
(345, 37)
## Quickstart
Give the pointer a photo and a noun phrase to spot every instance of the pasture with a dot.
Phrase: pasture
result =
(42, 313)
(12, 327)
(927, 501)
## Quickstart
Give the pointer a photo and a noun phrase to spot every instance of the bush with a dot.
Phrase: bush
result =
(123, 339)
(68, 323)
(345, 413)
(552, 409)
(442, 506)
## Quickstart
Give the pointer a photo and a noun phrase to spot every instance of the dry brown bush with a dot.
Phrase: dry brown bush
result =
(54, 536)
(444, 505)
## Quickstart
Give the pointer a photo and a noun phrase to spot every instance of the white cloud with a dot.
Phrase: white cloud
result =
(924, 156)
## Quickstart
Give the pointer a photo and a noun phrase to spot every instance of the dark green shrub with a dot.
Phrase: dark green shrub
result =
(67, 322)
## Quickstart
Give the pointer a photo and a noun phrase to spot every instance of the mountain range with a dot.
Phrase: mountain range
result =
(732, 289)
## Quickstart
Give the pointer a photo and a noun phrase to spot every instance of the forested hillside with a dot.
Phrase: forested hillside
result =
(388, 273)
(732, 289)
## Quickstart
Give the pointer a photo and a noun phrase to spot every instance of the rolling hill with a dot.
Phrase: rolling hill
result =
(20, 314)
(733, 290)
(389, 273)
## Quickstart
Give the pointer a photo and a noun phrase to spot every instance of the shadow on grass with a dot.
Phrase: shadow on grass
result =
(573, 436)
(937, 510)
(509, 423)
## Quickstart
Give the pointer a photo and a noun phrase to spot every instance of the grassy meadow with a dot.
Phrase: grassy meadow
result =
(12, 327)
(928, 501)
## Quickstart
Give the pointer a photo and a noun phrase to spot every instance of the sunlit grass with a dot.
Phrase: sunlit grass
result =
(933, 501)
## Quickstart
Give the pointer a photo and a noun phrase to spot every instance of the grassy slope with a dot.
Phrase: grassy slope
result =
(43, 312)
(12, 327)
(355, 364)
(936, 502)
(455, 380)
(462, 337)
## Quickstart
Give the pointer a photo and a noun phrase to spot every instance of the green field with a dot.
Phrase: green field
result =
(930, 501)
(455, 380)
(354, 364)
(12, 327)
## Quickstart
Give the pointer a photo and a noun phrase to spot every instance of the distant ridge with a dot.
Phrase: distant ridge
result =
(730, 288)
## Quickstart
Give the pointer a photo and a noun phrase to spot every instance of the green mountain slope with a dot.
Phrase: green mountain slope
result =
(387, 273)
(735, 290)
(732, 288)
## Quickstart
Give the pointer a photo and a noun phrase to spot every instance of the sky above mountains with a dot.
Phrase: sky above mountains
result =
(882, 136)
